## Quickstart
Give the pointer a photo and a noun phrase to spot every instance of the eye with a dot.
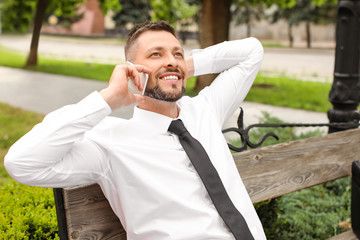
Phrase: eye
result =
(155, 54)
(179, 54)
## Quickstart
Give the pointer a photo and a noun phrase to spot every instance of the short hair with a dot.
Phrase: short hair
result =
(138, 29)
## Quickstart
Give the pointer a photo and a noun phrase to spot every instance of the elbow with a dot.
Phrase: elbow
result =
(259, 49)
(15, 169)
(11, 167)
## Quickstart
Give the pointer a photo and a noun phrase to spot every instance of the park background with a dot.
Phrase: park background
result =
(290, 28)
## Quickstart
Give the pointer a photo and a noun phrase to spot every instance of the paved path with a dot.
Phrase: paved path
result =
(43, 92)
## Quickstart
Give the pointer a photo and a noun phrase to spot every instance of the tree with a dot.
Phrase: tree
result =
(133, 12)
(66, 8)
(212, 29)
(17, 15)
(172, 10)
(214, 26)
(246, 11)
(39, 16)
(308, 11)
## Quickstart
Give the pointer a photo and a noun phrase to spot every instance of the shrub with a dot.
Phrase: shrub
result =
(27, 213)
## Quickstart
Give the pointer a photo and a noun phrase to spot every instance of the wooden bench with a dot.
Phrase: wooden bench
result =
(268, 172)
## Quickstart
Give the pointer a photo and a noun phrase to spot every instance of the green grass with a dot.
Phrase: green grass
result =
(286, 92)
(274, 44)
(278, 91)
(93, 71)
(14, 123)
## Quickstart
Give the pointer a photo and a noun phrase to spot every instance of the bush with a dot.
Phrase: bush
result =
(317, 212)
(27, 213)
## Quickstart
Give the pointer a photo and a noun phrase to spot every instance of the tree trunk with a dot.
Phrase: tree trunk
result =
(308, 34)
(248, 22)
(214, 28)
(39, 17)
(291, 37)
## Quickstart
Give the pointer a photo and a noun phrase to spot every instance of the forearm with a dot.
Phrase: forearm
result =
(238, 63)
(32, 158)
(223, 56)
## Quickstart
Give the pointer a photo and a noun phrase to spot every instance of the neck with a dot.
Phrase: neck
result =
(169, 109)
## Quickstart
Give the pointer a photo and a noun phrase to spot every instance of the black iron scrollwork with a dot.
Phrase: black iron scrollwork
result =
(244, 133)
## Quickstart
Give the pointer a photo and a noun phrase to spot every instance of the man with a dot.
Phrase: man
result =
(142, 167)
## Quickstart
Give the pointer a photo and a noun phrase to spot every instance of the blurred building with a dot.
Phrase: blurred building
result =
(92, 22)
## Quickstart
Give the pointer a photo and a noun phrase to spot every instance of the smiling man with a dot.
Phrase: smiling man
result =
(152, 181)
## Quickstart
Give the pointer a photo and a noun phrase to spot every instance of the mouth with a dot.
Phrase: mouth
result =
(170, 77)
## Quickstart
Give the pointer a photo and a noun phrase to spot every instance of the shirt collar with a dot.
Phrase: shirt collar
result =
(155, 121)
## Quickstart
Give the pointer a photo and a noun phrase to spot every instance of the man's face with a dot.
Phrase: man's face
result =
(162, 53)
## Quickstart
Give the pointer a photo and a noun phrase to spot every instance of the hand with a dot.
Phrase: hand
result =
(117, 94)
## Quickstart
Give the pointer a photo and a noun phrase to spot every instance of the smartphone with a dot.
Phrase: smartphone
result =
(143, 78)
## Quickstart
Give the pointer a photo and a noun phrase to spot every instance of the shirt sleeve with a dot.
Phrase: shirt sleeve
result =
(55, 153)
(238, 63)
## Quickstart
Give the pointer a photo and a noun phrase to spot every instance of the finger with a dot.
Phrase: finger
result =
(139, 98)
(143, 69)
(137, 72)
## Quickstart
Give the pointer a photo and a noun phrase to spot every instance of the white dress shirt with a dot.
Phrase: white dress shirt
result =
(141, 167)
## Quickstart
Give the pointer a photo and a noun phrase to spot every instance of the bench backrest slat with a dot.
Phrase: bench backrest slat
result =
(276, 170)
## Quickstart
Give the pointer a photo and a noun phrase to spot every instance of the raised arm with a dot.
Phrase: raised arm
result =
(238, 63)
(56, 153)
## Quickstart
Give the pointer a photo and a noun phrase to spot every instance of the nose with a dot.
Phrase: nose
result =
(171, 61)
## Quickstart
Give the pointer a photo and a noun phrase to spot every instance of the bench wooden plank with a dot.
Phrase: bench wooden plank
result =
(266, 172)
(349, 235)
(89, 215)
(276, 170)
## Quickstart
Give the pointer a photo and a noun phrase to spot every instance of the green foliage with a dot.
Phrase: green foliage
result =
(245, 11)
(316, 11)
(17, 15)
(27, 213)
(132, 12)
(172, 10)
(107, 5)
(316, 213)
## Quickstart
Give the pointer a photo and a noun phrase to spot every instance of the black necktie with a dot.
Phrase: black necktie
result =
(212, 182)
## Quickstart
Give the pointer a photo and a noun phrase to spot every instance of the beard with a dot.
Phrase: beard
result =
(157, 93)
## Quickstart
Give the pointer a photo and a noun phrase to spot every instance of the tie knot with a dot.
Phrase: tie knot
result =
(177, 127)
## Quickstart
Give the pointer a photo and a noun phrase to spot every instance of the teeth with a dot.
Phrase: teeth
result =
(171, 77)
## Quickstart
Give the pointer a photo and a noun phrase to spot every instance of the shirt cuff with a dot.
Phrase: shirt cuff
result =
(94, 108)
(203, 62)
